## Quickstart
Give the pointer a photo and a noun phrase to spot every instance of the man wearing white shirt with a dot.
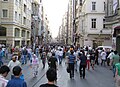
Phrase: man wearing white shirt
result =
(29, 53)
(57, 54)
(4, 70)
(14, 62)
(110, 56)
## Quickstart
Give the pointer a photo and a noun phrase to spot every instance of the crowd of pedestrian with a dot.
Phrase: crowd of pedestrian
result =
(76, 59)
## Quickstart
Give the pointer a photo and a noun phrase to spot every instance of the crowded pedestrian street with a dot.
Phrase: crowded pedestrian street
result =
(100, 77)
(59, 43)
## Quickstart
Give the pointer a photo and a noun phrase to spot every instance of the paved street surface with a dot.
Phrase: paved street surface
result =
(100, 77)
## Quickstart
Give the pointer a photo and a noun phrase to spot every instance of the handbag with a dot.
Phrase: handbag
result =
(68, 69)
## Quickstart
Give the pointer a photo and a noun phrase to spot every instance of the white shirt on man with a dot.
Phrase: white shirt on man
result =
(110, 55)
(103, 55)
(12, 64)
(60, 53)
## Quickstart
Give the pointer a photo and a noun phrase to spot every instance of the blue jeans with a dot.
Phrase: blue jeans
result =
(24, 59)
(114, 70)
(29, 56)
(60, 59)
(37, 54)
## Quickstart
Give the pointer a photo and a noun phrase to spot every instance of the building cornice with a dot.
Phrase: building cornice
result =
(16, 24)
(94, 13)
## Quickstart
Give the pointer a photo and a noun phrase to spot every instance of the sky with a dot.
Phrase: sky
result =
(55, 9)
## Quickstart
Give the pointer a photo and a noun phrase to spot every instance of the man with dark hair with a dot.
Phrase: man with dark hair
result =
(16, 81)
(4, 70)
(52, 62)
(83, 62)
(71, 62)
(14, 62)
(115, 60)
(51, 76)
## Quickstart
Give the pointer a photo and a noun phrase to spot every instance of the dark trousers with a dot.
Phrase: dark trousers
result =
(71, 67)
(103, 62)
(82, 72)
(43, 62)
(108, 61)
(96, 60)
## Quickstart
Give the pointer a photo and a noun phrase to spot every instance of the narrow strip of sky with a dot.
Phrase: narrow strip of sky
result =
(55, 9)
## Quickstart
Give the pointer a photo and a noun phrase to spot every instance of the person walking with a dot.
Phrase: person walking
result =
(51, 76)
(83, 60)
(107, 58)
(71, 62)
(92, 60)
(49, 55)
(88, 61)
(103, 57)
(16, 81)
(14, 62)
(115, 60)
(60, 56)
(29, 50)
(24, 55)
(43, 58)
(96, 57)
(52, 62)
(35, 65)
(76, 58)
(110, 57)
(4, 70)
(1, 56)
(37, 51)
(117, 75)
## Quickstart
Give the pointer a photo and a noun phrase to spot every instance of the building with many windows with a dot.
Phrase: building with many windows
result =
(35, 22)
(92, 23)
(112, 21)
(15, 22)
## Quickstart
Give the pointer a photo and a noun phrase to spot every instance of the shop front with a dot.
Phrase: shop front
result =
(116, 35)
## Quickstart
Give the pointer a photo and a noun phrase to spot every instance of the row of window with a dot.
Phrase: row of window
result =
(26, 10)
(17, 33)
(5, 15)
(19, 18)
(93, 23)
(94, 6)
(3, 31)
